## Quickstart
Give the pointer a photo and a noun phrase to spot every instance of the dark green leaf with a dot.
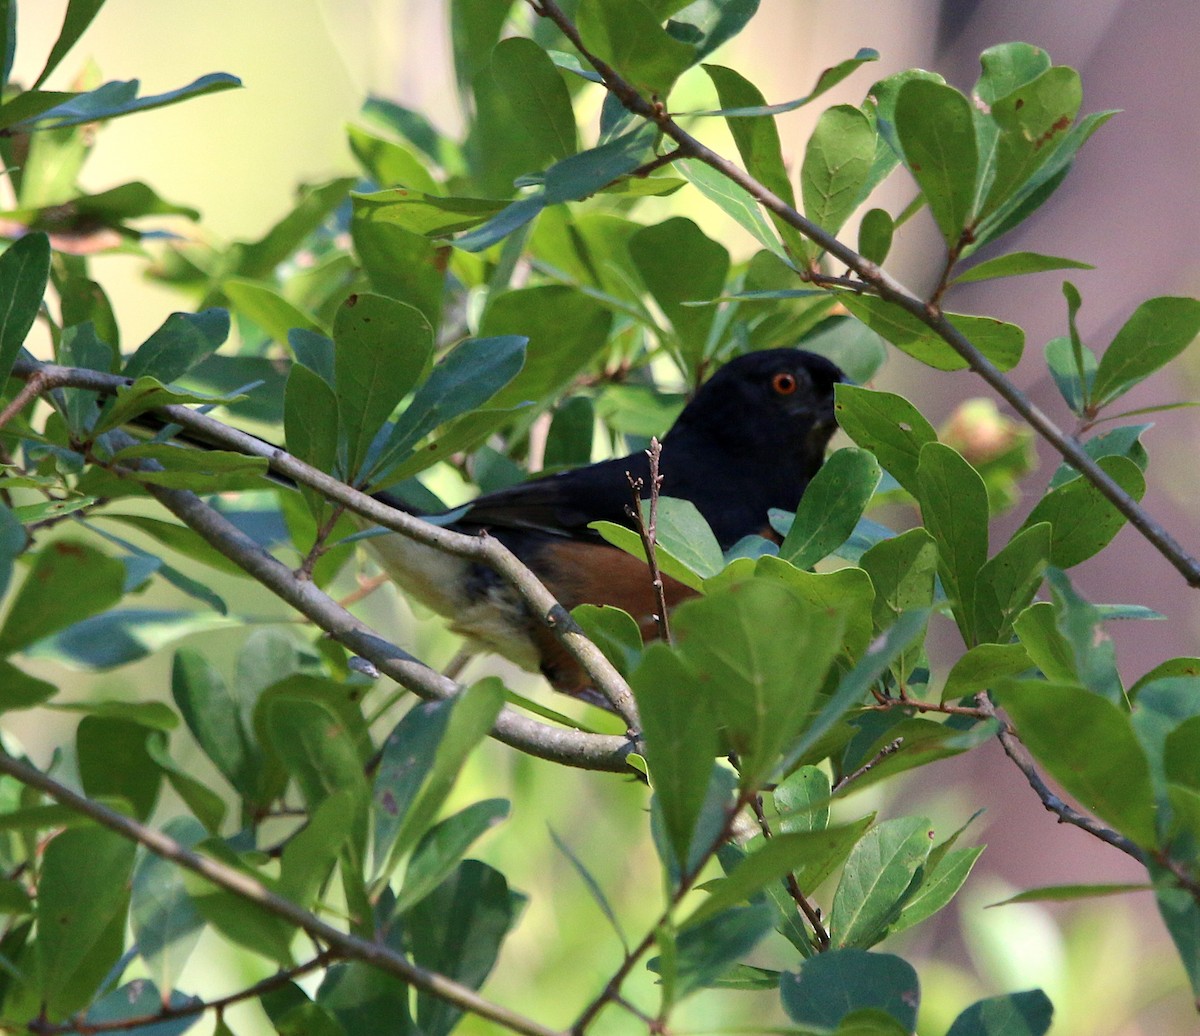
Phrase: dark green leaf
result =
(544, 124)
(837, 160)
(1158, 331)
(627, 35)
(1068, 893)
(938, 886)
(705, 952)
(68, 582)
(888, 425)
(381, 348)
(1061, 725)
(183, 340)
(828, 79)
(400, 263)
(1016, 264)
(1007, 583)
(828, 987)
(954, 508)
(982, 666)
(114, 761)
(1074, 386)
(936, 131)
(875, 235)
(1181, 914)
(877, 881)
(831, 507)
(1014, 1014)
(145, 394)
(681, 739)
(443, 846)
(24, 270)
(19, 690)
(612, 630)
(1123, 441)
(201, 471)
(77, 909)
(1082, 521)
(902, 570)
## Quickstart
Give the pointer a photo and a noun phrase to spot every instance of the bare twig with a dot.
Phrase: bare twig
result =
(811, 914)
(647, 527)
(891, 748)
(342, 944)
(888, 288)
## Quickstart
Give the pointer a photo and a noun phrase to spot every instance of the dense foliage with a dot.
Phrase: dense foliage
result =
(494, 302)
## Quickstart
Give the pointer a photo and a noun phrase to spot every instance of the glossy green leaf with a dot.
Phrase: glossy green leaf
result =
(954, 508)
(1017, 264)
(686, 547)
(456, 931)
(837, 161)
(877, 881)
(544, 124)
(24, 270)
(831, 506)
(165, 924)
(183, 340)
(888, 425)
(629, 37)
(735, 202)
(1082, 521)
(831, 985)
(1014, 1014)
(1008, 581)
(69, 581)
(1061, 725)
(936, 131)
(1158, 331)
(1000, 342)
(802, 800)
(757, 141)
(78, 909)
(679, 264)
(875, 235)
(443, 846)
(680, 730)
(982, 666)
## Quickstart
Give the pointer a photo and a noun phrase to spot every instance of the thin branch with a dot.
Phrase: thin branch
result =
(891, 748)
(343, 944)
(486, 550)
(647, 528)
(811, 914)
(171, 1012)
(888, 288)
(1016, 751)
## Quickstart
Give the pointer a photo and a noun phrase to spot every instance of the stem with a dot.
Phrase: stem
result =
(647, 527)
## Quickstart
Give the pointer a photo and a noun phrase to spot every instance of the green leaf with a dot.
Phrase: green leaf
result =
(1082, 521)
(69, 581)
(78, 17)
(705, 952)
(388, 163)
(954, 509)
(1181, 915)
(939, 885)
(1068, 893)
(267, 308)
(146, 394)
(310, 854)
(877, 881)
(629, 37)
(837, 160)
(310, 422)
(831, 507)
(201, 471)
(830, 986)
(902, 570)
(807, 855)
(78, 908)
(400, 263)
(757, 140)
(686, 548)
(802, 800)
(1049, 650)
(466, 378)
(679, 264)
(1007, 66)
(165, 924)
(613, 631)
(1074, 384)
(1158, 331)
(1014, 1014)
(1061, 725)
(982, 666)
(544, 123)
(24, 270)
(680, 731)
(456, 931)
(762, 686)
(110, 101)
(183, 340)
(735, 202)
(1123, 441)
(1017, 264)
(1008, 581)
(114, 762)
(19, 690)
(875, 235)
(888, 425)
(937, 133)
(430, 215)
(381, 348)
(443, 846)
(1000, 342)
(316, 748)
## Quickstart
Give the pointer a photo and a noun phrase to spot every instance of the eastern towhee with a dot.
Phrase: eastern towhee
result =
(750, 440)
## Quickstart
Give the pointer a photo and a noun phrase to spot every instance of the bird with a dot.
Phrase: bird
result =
(751, 439)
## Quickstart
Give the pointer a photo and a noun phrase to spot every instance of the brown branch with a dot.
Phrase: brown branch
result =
(891, 748)
(811, 914)
(891, 290)
(344, 945)
(647, 528)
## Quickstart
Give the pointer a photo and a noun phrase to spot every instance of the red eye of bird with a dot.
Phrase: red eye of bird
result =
(784, 383)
